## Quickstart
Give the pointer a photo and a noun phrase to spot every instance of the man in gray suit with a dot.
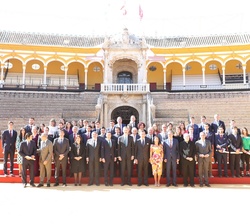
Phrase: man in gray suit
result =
(171, 157)
(45, 159)
(61, 151)
(203, 150)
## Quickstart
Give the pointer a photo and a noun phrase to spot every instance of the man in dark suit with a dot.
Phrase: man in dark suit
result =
(61, 151)
(221, 150)
(111, 128)
(93, 158)
(28, 151)
(132, 123)
(61, 128)
(203, 150)
(108, 155)
(28, 127)
(45, 158)
(125, 155)
(117, 169)
(171, 157)
(142, 153)
(120, 124)
(235, 151)
(217, 123)
(9, 146)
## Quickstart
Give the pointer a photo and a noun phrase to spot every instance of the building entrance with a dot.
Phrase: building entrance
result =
(125, 112)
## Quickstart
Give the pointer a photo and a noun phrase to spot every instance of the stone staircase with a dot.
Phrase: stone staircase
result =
(177, 107)
(19, 106)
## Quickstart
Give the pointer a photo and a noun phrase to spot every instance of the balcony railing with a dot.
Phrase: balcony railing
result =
(125, 88)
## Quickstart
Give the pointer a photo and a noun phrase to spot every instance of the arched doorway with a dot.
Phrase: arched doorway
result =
(124, 77)
(124, 112)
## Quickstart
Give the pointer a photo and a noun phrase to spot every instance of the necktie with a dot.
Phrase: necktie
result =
(10, 134)
(74, 137)
(94, 144)
(110, 144)
(126, 140)
(170, 144)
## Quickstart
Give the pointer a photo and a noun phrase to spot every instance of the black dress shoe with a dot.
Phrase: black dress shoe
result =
(201, 185)
(89, 184)
(56, 184)
(146, 185)
(129, 184)
(32, 185)
(97, 184)
(192, 185)
(208, 185)
(106, 184)
(175, 185)
(40, 185)
(48, 184)
(24, 185)
(75, 184)
(168, 185)
(80, 184)
(111, 184)
(64, 185)
(122, 184)
(138, 185)
(185, 185)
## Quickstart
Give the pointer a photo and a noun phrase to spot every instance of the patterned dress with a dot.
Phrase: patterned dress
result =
(18, 143)
(156, 158)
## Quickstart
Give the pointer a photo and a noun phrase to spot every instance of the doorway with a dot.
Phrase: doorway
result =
(125, 113)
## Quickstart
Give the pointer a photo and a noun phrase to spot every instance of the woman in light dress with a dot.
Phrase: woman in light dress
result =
(156, 159)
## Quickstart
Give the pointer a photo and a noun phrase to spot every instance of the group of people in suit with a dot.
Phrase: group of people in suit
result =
(128, 150)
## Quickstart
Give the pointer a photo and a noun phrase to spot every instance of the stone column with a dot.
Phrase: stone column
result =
(184, 76)
(1, 81)
(164, 78)
(203, 76)
(45, 77)
(65, 77)
(244, 74)
(24, 81)
(86, 78)
(223, 76)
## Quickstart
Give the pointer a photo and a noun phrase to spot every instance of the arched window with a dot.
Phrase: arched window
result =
(124, 77)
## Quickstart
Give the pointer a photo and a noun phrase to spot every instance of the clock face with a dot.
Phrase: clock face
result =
(62, 68)
(35, 66)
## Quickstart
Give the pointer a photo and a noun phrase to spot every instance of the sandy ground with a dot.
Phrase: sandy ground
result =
(83, 204)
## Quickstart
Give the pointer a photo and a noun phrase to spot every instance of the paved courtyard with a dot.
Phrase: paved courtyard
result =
(82, 204)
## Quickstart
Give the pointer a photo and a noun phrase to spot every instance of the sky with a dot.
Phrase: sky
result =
(105, 17)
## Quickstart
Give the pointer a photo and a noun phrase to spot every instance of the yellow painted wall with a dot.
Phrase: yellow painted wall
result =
(29, 68)
(196, 68)
(157, 75)
(76, 67)
(95, 77)
(17, 66)
(209, 71)
(174, 68)
(54, 67)
(231, 67)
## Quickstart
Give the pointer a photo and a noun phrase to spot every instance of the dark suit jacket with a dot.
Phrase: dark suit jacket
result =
(187, 149)
(151, 138)
(93, 152)
(214, 126)
(136, 137)
(173, 152)
(66, 134)
(142, 152)
(112, 130)
(234, 143)
(9, 143)
(61, 148)
(28, 151)
(124, 150)
(223, 142)
(73, 151)
(107, 152)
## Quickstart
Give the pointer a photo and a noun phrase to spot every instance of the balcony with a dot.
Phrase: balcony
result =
(125, 88)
